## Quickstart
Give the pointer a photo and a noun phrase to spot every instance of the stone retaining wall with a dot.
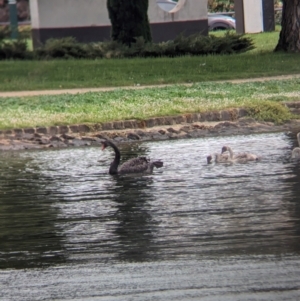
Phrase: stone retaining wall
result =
(215, 116)
(226, 122)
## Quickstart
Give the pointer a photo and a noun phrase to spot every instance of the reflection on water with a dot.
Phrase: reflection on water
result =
(61, 206)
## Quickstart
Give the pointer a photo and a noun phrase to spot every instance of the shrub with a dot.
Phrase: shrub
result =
(269, 111)
(220, 5)
(66, 48)
(12, 49)
(62, 48)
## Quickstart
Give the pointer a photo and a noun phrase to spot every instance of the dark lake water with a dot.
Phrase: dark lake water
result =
(70, 231)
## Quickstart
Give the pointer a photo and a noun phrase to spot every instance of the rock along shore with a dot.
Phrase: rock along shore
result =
(209, 124)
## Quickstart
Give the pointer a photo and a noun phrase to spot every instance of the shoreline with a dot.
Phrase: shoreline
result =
(195, 125)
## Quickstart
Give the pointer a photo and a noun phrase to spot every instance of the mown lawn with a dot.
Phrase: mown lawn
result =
(61, 74)
(263, 98)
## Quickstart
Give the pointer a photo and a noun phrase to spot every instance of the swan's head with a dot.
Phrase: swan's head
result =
(224, 149)
(209, 159)
(105, 144)
(296, 153)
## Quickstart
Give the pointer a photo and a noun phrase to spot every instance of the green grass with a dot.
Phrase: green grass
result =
(62, 74)
(262, 97)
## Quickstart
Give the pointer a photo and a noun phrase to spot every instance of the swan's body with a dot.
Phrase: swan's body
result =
(296, 150)
(241, 157)
(218, 158)
(135, 165)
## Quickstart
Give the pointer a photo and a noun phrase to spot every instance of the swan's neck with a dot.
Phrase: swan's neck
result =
(114, 164)
(230, 152)
(298, 137)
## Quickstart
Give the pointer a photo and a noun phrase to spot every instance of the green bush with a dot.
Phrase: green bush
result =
(12, 49)
(266, 110)
(67, 48)
(62, 48)
(220, 5)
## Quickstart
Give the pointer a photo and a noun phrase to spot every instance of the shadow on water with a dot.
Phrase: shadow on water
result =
(135, 225)
(132, 198)
(28, 234)
(293, 200)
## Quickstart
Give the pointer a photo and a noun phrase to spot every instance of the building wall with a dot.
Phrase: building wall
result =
(88, 20)
(253, 16)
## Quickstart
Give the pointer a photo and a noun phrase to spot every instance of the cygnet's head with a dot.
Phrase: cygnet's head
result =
(209, 159)
(224, 149)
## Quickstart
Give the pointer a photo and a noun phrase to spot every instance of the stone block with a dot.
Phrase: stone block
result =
(107, 126)
(242, 112)
(160, 120)
(66, 137)
(54, 138)
(151, 122)
(52, 130)
(203, 117)
(196, 117)
(41, 130)
(130, 124)
(74, 128)
(162, 132)
(171, 130)
(83, 128)
(62, 129)
(189, 118)
(29, 131)
(180, 119)
(225, 115)
(169, 121)
(118, 125)
(18, 131)
(133, 136)
(141, 124)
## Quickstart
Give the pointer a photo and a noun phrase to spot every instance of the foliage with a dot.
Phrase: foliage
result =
(62, 48)
(220, 5)
(129, 20)
(269, 111)
(12, 49)
(278, 17)
(182, 45)
(69, 48)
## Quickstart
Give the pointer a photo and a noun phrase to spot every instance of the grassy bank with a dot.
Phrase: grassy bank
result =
(61, 74)
(262, 98)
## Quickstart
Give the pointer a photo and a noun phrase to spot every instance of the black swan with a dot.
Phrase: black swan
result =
(135, 165)
(241, 157)
(296, 150)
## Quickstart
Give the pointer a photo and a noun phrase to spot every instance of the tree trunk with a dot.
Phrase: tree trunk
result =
(129, 20)
(289, 38)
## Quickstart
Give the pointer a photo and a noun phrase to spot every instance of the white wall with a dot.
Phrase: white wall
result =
(68, 13)
(85, 13)
(253, 16)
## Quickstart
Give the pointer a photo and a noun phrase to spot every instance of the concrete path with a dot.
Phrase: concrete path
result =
(104, 89)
